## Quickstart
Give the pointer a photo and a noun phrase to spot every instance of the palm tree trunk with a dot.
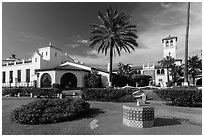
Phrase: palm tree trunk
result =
(111, 62)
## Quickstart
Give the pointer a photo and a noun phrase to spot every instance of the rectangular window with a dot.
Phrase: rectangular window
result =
(4, 77)
(19, 75)
(46, 53)
(27, 75)
(42, 53)
(55, 54)
(11, 76)
(35, 59)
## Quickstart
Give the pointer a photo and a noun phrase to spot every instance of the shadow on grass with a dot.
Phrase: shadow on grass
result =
(92, 113)
(159, 122)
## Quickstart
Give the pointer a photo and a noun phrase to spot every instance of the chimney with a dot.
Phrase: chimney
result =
(13, 56)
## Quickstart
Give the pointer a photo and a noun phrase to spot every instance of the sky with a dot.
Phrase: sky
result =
(32, 25)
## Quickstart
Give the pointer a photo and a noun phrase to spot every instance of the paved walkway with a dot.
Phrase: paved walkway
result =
(169, 120)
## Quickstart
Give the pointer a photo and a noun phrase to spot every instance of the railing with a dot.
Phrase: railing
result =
(21, 84)
(17, 62)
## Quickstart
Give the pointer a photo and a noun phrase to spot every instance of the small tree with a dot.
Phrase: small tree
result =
(176, 72)
(142, 80)
(194, 66)
(93, 80)
(167, 62)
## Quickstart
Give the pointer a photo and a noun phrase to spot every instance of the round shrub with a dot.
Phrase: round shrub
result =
(50, 111)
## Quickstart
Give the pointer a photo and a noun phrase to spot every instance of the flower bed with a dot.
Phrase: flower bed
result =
(50, 111)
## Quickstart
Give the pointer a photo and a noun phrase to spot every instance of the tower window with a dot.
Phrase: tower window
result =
(171, 43)
(162, 71)
(35, 59)
(158, 71)
(167, 43)
(46, 53)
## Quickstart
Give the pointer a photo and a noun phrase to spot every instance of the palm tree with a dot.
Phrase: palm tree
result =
(194, 66)
(176, 72)
(114, 33)
(167, 62)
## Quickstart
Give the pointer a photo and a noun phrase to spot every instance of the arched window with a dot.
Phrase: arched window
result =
(167, 43)
(162, 71)
(158, 71)
(46, 81)
(171, 43)
(139, 72)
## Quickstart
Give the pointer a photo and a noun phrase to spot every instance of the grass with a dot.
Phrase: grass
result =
(168, 120)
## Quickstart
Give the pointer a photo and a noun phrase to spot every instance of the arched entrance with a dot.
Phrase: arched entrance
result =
(45, 81)
(199, 82)
(68, 80)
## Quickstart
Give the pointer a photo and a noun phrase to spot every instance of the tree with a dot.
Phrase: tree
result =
(124, 74)
(124, 70)
(93, 80)
(167, 62)
(194, 66)
(142, 80)
(114, 33)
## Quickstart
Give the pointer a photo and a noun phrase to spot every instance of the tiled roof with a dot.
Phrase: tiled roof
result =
(67, 67)
(169, 37)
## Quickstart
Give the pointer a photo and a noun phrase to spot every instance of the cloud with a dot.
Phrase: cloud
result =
(77, 41)
(30, 36)
(83, 41)
(165, 4)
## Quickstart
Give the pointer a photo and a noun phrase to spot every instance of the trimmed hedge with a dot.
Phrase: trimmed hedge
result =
(50, 111)
(109, 94)
(47, 93)
(186, 97)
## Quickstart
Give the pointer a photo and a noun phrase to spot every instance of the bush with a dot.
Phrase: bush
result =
(106, 94)
(126, 98)
(50, 111)
(47, 93)
(181, 96)
(93, 80)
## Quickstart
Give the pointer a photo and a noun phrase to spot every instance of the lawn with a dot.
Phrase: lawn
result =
(168, 120)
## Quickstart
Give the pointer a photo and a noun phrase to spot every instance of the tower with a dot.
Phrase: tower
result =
(169, 45)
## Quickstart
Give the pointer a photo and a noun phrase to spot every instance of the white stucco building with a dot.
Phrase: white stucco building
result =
(46, 66)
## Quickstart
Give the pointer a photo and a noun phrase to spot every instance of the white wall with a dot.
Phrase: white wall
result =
(32, 66)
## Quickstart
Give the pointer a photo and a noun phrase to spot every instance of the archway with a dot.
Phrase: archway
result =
(68, 80)
(199, 82)
(45, 81)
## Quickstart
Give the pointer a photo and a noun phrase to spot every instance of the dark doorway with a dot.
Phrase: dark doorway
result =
(68, 81)
(45, 81)
(199, 82)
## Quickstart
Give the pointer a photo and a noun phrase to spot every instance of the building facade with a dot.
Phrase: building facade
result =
(47, 66)
(156, 71)
(51, 65)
